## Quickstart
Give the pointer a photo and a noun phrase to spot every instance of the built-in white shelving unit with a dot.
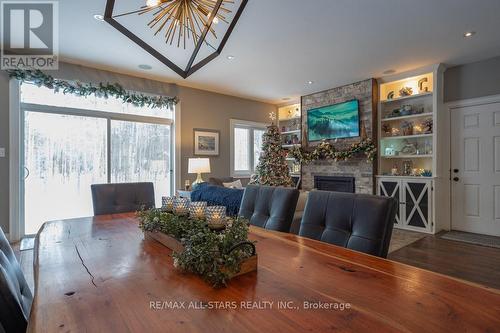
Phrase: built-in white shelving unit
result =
(414, 148)
(290, 125)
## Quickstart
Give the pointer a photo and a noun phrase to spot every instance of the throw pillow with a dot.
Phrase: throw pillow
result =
(236, 184)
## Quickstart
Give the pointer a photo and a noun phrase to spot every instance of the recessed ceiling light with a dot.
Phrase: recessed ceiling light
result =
(469, 34)
(310, 82)
(389, 71)
(99, 17)
(230, 57)
(145, 67)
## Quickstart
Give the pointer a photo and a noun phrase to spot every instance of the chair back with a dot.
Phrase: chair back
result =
(269, 207)
(359, 222)
(122, 198)
(15, 294)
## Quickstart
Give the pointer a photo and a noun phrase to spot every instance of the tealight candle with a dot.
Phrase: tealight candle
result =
(167, 203)
(216, 215)
(181, 206)
(197, 209)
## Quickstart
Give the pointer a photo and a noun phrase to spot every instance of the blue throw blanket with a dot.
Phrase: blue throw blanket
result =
(219, 196)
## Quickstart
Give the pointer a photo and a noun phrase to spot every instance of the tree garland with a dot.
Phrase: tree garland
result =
(325, 150)
(206, 253)
(105, 90)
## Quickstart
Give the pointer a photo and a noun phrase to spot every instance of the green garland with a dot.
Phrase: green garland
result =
(105, 90)
(206, 252)
(325, 150)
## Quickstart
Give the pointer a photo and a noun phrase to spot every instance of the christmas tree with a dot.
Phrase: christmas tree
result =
(272, 169)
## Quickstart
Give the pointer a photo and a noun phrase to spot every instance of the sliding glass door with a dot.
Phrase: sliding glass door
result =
(63, 155)
(67, 149)
(140, 152)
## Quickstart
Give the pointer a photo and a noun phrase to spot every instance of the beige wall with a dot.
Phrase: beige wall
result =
(473, 80)
(199, 109)
(213, 111)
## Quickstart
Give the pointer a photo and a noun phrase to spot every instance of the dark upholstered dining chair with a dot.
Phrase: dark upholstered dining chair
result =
(359, 222)
(15, 294)
(122, 198)
(269, 207)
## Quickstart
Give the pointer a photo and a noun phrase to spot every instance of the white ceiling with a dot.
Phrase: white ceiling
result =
(280, 45)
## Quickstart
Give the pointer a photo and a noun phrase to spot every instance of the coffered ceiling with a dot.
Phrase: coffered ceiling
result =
(280, 45)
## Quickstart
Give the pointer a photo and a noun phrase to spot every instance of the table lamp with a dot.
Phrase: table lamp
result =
(198, 166)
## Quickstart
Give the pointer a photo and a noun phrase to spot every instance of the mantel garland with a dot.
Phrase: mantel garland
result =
(326, 150)
(210, 254)
(105, 90)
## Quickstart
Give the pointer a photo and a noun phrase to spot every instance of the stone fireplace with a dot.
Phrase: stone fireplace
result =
(362, 172)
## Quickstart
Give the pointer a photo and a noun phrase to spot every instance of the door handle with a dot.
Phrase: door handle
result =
(456, 179)
(456, 170)
(27, 173)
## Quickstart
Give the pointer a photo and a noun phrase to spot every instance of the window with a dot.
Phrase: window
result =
(246, 146)
(71, 142)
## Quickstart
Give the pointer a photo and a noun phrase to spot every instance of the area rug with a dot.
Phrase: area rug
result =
(401, 238)
(467, 237)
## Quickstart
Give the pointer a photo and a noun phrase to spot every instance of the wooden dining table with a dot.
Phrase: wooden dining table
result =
(100, 274)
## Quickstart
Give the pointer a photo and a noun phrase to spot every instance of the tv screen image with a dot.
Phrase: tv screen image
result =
(334, 121)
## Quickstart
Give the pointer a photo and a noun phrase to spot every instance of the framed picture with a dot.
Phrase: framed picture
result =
(206, 142)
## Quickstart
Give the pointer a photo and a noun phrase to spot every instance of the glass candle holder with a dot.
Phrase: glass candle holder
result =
(167, 203)
(216, 215)
(181, 206)
(197, 209)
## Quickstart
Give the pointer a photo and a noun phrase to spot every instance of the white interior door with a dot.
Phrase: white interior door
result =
(475, 164)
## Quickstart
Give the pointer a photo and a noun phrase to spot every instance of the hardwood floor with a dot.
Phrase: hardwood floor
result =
(474, 263)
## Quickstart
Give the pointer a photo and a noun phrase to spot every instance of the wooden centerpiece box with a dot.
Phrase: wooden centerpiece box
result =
(231, 236)
(247, 266)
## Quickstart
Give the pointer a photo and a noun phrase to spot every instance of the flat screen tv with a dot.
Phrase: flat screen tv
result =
(333, 121)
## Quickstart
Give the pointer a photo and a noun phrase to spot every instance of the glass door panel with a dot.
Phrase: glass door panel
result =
(63, 156)
(141, 152)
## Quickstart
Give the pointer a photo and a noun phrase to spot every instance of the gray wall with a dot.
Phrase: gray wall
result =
(199, 109)
(472, 80)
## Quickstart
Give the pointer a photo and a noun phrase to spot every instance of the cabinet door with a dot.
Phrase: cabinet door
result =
(417, 204)
(391, 188)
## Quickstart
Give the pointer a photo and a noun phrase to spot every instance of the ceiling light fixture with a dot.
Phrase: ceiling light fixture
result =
(99, 17)
(230, 57)
(145, 67)
(152, 3)
(469, 34)
(310, 82)
(180, 22)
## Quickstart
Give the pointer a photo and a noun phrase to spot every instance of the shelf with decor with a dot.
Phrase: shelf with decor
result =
(412, 131)
(290, 125)
(407, 156)
(405, 98)
(418, 115)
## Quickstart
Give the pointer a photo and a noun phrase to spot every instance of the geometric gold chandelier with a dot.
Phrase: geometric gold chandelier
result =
(183, 19)
(195, 25)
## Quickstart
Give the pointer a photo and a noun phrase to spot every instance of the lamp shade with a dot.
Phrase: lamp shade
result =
(199, 165)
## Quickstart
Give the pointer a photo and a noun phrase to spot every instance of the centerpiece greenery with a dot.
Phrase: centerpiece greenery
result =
(214, 255)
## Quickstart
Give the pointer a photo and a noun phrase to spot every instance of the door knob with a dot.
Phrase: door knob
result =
(456, 179)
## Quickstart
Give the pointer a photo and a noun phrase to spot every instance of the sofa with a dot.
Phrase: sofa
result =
(214, 193)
